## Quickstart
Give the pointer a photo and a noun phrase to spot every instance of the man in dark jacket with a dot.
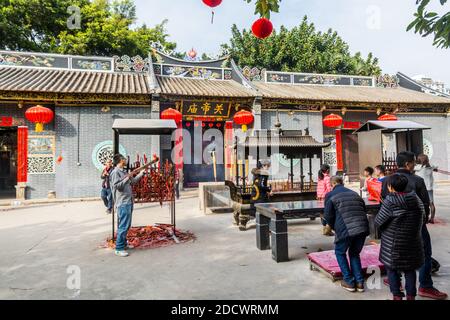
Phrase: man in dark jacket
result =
(345, 212)
(406, 162)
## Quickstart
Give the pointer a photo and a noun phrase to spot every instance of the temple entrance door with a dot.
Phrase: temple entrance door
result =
(201, 171)
(350, 154)
(8, 162)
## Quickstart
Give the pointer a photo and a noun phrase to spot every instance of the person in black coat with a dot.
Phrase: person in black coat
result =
(406, 162)
(345, 212)
(400, 221)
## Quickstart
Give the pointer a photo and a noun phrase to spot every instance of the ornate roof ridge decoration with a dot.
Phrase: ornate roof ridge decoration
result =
(56, 61)
(126, 63)
(388, 81)
(159, 49)
(419, 86)
(245, 81)
(254, 74)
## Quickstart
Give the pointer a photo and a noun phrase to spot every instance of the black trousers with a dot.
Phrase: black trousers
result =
(395, 280)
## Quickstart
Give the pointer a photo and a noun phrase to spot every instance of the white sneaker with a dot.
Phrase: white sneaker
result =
(121, 253)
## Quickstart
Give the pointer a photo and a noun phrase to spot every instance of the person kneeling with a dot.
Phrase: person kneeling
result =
(345, 212)
(400, 221)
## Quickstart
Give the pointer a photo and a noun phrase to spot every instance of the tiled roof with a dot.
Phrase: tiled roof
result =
(346, 94)
(201, 87)
(289, 139)
(72, 81)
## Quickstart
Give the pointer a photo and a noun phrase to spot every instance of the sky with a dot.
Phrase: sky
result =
(377, 26)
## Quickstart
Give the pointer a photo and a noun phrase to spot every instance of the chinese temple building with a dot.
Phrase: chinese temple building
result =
(86, 94)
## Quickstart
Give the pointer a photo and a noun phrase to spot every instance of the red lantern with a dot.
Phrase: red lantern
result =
(188, 124)
(212, 4)
(332, 121)
(211, 124)
(243, 118)
(218, 125)
(172, 114)
(39, 115)
(388, 117)
(262, 28)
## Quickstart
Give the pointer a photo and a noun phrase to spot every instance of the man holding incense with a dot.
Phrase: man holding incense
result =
(122, 194)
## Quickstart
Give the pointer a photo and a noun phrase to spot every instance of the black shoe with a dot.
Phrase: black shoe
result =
(347, 286)
(360, 287)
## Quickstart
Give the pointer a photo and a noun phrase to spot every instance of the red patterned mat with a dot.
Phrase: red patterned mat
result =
(148, 237)
(326, 260)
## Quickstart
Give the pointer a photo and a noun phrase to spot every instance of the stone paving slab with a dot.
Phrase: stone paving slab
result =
(40, 244)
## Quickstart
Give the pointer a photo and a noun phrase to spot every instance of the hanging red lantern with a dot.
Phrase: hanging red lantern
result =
(188, 124)
(243, 118)
(212, 4)
(218, 125)
(332, 121)
(388, 117)
(39, 115)
(203, 124)
(172, 114)
(262, 28)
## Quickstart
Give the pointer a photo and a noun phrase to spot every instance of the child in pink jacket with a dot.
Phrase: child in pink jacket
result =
(323, 187)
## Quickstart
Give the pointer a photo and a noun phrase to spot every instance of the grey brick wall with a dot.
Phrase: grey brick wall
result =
(297, 121)
(438, 135)
(38, 185)
(83, 180)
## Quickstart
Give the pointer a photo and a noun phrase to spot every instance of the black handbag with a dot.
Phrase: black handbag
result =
(435, 265)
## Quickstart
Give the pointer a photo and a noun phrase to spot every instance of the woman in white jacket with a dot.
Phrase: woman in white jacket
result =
(425, 170)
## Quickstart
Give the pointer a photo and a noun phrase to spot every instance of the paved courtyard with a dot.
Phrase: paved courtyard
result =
(40, 244)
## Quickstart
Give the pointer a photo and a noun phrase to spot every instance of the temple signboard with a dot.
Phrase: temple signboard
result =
(206, 110)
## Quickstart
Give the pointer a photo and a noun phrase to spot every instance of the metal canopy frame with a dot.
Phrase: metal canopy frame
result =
(391, 126)
(143, 127)
(290, 151)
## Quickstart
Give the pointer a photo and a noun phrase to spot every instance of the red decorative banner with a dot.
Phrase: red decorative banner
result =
(22, 154)
(339, 159)
(352, 125)
(6, 121)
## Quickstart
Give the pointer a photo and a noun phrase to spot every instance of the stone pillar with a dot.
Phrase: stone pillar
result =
(257, 113)
(155, 140)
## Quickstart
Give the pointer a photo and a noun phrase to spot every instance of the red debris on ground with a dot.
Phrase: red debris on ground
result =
(159, 235)
(438, 221)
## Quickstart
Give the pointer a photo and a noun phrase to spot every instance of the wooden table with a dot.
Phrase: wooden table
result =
(272, 218)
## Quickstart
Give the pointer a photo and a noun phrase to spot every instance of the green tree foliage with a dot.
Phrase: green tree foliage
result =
(265, 7)
(427, 23)
(301, 49)
(105, 28)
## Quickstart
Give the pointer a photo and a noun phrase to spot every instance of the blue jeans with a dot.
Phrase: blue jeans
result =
(395, 279)
(352, 273)
(124, 214)
(107, 198)
(425, 280)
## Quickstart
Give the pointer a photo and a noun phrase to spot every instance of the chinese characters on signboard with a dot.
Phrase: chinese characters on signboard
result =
(207, 110)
